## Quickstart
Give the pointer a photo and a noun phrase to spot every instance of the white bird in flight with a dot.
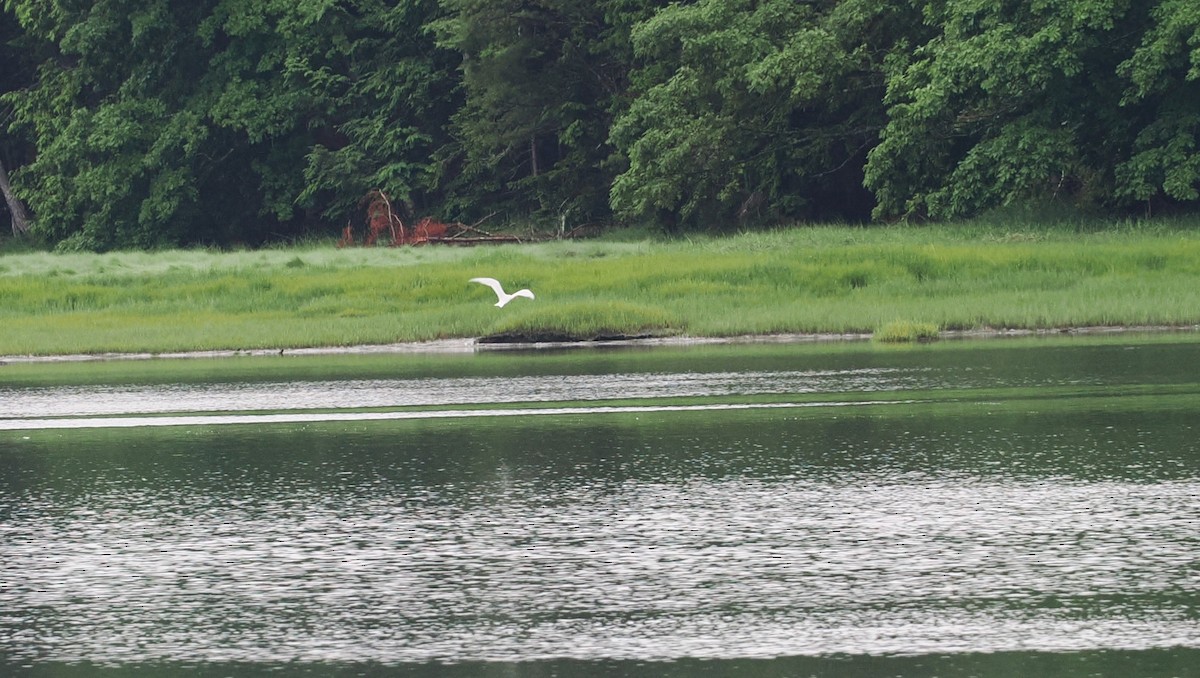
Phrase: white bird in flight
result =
(501, 295)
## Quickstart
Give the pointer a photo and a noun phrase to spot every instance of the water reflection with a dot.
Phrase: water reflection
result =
(708, 569)
(598, 375)
(915, 537)
(713, 570)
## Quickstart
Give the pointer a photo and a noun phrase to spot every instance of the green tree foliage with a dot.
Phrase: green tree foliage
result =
(1005, 102)
(541, 79)
(755, 109)
(19, 59)
(138, 123)
(1164, 92)
(165, 121)
(141, 121)
(382, 92)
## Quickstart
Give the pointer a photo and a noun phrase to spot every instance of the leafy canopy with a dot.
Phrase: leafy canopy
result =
(140, 123)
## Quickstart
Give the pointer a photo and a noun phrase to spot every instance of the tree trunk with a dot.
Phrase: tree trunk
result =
(533, 160)
(20, 218)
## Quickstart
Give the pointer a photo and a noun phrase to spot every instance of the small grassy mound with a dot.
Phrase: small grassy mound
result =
(584, 321)
(906, 331)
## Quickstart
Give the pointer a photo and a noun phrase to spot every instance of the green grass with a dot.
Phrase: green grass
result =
(805, 279)
(905, 331)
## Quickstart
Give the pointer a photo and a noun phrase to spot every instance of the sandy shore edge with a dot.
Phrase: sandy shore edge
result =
(471, 345)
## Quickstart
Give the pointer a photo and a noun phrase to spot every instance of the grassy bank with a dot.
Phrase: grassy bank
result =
(827, 279)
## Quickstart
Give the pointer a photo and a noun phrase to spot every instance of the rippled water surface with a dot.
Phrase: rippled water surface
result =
(1020, 509)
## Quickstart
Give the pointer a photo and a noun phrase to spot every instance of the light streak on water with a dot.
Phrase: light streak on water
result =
(125, 399)
(314, 417)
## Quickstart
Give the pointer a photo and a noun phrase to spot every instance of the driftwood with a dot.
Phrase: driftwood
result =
(430, 231)
(382, 219)
(468, 241)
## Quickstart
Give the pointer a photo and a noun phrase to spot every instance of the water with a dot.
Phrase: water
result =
(1019, 509)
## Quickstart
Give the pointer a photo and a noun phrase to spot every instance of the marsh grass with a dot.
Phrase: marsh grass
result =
(812, 279)
(906, 331)
(587, 320)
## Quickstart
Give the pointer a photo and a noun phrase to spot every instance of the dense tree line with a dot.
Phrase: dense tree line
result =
(148, 122)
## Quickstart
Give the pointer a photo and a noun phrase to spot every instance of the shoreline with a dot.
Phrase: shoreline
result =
(475, 345)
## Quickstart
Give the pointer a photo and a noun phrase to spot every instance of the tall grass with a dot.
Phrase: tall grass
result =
(818, 279)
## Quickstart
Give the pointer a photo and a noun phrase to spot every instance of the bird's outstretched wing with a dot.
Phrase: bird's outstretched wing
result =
(492, 283)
